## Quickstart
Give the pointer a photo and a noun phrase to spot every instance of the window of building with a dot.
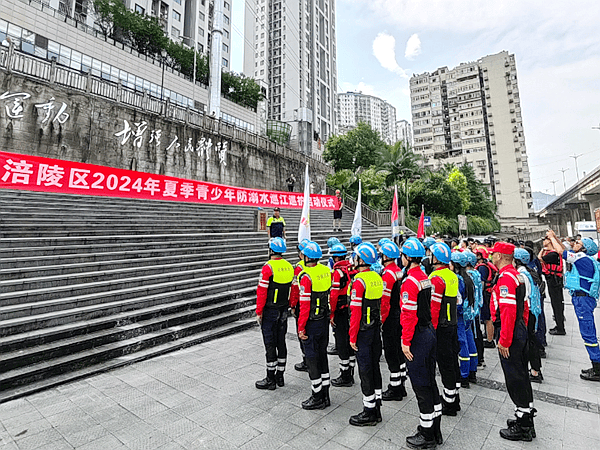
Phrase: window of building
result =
(225, 63)
(176, 16)
(178, 2)
(174, 32)
(139, 9)
(225, 48)
(200, 31)
(202, 17)
(226, 33)
(226, 5)
(226, 19)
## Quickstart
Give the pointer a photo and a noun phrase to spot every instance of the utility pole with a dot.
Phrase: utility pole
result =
(575, 156)
(554, 185)
(214, 82)
(564, 180)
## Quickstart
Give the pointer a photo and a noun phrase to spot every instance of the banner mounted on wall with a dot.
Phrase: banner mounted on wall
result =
(35, 173)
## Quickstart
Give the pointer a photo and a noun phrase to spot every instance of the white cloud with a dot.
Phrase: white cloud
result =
(413, 47)
(360, 87)
(384, 49)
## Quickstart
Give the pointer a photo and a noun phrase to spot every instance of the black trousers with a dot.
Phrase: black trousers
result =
(341, 318)
(421, 371)
(516, 371)
(392, 345)
(447, 359)
(534, 347)
(479, 339)
(555, 289)
(315, 348)
(274, 329)
(367, 357)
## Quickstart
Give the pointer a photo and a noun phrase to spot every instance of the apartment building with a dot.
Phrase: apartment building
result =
(291, 47)
(472, 114)
(404, 131)
(356, 107)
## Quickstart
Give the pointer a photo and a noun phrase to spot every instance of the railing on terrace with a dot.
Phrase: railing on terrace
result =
(37, 68)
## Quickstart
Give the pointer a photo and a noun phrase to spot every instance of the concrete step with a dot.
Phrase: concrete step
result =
(126, 359)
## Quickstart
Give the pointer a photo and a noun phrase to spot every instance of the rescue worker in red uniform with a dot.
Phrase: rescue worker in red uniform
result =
(510, 309)
(295, 301)
(419, 346)
(272, 302)
(313, 324)
(390, 318)
(365, 333)
(444, 319)
(340, 317)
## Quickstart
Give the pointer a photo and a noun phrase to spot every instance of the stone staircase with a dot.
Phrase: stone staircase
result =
(88, 284)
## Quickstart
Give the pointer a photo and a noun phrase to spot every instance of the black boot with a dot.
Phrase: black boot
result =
(437, 430)
(378, 410)
(279, 378)
(422, 440)
(344, 380)
(594, 374)
(366, 418)
(393, 393)
(301, 366)
(464, 383)
(457, 403)
(315, 401)
(267, 383)
(473, 377)
(325, 392)
(448, 409)
(520, 429)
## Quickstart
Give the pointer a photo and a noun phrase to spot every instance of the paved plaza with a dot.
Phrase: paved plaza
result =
(204, 397)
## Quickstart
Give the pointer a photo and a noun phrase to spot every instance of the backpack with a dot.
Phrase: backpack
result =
(492, 277)
(572, 282)
(535, 298)
(476, 277)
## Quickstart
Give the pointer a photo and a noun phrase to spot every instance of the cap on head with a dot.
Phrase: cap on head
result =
(277, 245)
(337, 191)
(276, 209)
(503, 248)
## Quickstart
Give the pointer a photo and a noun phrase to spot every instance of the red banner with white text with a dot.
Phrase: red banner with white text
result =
(35, 173)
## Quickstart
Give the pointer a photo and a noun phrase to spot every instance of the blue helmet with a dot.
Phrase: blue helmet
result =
(383, 241)
(355, 239)
(367, 252)
(277, 245)
(377, 268)
(590, 246)
(428, 242)
(302, 244)
(332, 241)
(441, 251)
(471, 258)
(522, 255)
(413, 248)
(390, 250)
(459, 258)
(338, 250)
(312, 250)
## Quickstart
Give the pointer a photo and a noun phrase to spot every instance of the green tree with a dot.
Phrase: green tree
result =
(481, 204)
(437, 195)
(458, 181)
(402, 165)
(359, 148)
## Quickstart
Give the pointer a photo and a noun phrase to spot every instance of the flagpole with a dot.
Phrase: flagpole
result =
(304, 227)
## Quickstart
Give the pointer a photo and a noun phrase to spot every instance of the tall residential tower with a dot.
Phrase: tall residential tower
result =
(355, 107)
(472, 114)
(291, 47)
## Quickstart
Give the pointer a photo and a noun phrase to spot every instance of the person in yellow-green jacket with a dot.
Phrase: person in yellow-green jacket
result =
(272, 302)
(444, 319)
(365, 333)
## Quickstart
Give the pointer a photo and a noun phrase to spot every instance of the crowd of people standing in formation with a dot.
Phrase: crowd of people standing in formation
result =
(425, 303)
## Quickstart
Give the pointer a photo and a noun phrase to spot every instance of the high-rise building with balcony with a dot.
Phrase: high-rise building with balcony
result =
(291, 47)
(472, 114)
(355, 107)
(404, 131)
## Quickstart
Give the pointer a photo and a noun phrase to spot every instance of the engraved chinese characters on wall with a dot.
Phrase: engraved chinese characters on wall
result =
(49, 110)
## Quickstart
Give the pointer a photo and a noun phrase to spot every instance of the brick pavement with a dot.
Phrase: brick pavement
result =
(204, 397)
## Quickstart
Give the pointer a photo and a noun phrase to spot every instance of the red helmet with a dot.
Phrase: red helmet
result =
(482, 251)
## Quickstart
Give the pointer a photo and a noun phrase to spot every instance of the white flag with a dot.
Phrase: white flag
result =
(357, 223)
(304, 228)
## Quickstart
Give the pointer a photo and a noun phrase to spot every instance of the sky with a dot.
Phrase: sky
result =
(382, 43)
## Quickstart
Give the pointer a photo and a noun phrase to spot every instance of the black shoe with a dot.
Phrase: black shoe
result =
(422, 440)
(344, 380)
(314, 402)
(332, 350)
(593, 374)
(378, 410)
(266, 383)
(464, 383)
(489, 344)
(301, 366)
(516, 432)
(543, 354)
(279, 379)
(473, 377)
(587, 371)
(325, 393)
(394, 393)
(536, 378)
(513, 422)
(557, 332)
(481, 363)
(366, 418)
(448, 409)
(437, 430)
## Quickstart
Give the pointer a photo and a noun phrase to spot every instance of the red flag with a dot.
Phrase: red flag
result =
(395, 225)
(421, 230)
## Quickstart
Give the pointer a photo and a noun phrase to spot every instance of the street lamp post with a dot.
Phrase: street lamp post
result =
(564, 180)
(575, 156)
(194, 75)
(163, 54)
